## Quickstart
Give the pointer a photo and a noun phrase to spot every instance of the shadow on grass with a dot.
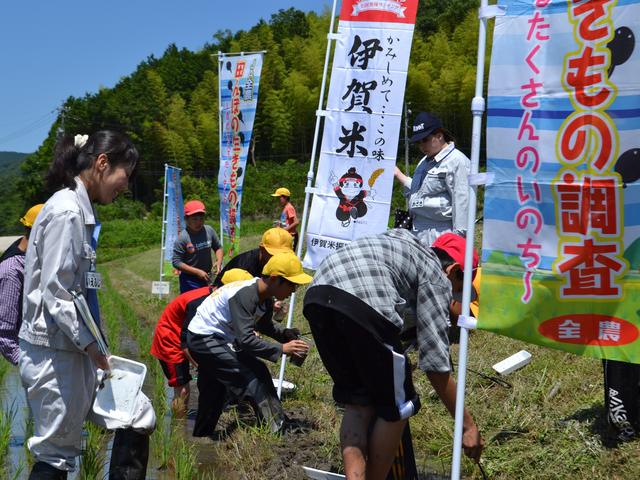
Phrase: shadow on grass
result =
(596, 417)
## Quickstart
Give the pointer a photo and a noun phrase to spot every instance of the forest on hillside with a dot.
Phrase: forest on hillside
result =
(168, 105)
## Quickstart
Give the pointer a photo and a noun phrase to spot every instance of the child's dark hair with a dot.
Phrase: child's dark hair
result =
(446, 261)
(69, 160)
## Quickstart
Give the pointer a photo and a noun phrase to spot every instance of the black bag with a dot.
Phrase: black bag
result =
(402, 219)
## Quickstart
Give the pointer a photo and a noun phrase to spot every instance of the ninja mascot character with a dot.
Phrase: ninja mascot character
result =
(351, 194)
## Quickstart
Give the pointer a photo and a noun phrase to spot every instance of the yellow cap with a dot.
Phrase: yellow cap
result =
(235, 275)
(288, 266)
(30, 217)
(277, 240)
(475, 305)
(281, 191)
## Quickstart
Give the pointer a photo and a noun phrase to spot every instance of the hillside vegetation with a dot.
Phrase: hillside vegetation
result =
(12, 203)
(168, 105)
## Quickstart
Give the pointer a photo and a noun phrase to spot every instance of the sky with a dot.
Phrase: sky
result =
(50, 50)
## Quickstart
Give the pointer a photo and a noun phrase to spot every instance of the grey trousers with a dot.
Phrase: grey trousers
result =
(60, 387)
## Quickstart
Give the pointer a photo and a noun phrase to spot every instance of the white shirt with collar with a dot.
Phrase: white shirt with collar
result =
(442, 201)
(58, 256)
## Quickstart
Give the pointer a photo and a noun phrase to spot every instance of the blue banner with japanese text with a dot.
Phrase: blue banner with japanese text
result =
(239, 79)
(174, 213)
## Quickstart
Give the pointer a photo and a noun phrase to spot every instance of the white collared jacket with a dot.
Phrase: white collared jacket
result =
(58, 256)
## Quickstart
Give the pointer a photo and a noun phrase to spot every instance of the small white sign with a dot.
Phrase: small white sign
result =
(160, 288)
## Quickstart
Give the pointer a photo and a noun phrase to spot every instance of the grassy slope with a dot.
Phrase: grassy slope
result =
(548, 426)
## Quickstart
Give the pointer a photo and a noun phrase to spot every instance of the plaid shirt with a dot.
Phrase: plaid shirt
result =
(393, 272)
(11, 278)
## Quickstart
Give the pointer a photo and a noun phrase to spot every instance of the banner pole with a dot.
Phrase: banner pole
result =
(310, 175)
(164, 221)
(220, 56)
(477, 109)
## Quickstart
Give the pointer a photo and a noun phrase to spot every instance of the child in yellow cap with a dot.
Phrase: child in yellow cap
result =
(169, 338)
(221, 339)
(288, 218)
(11, 284)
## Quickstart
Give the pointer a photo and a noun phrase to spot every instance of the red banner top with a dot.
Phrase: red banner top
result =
(391, 11)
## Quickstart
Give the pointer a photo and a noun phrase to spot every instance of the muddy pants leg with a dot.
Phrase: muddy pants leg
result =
(211, 396)
(262, 394)
(622, 397)
(245, 376)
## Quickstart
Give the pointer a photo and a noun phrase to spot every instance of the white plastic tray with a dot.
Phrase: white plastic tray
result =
(286, 386)
(116, 396)
(513, 363)
(315, 474)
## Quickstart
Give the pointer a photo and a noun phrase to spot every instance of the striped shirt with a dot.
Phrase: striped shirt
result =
(11, 281)
(395, 274)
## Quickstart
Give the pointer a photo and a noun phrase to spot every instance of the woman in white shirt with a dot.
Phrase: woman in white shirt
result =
(438, 192)
(59, 355)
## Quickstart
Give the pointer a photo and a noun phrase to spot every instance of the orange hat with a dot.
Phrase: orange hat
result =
(455, 246)
(194, 206)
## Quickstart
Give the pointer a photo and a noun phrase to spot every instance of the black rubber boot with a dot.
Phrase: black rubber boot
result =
(44, 471)
(129, 455)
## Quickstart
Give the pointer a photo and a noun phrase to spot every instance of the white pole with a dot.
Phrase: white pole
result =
(164, 222)
(220, 118)
(310, 174)
(477, 108)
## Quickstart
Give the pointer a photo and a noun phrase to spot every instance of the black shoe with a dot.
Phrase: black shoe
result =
(44, 471)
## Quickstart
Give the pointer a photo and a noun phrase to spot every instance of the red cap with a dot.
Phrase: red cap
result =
(455, 245)
(194, 206)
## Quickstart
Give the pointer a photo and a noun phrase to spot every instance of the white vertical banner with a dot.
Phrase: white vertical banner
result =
(352, 195)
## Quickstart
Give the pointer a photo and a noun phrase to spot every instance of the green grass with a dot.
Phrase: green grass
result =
(548, 426)
(7, 416)
(93, 453)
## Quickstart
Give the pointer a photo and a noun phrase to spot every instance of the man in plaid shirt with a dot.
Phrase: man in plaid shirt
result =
(355, 308)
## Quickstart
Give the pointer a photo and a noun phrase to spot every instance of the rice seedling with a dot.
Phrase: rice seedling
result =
(28, 433)
(7, 415)
(93, 454)
(185, 462)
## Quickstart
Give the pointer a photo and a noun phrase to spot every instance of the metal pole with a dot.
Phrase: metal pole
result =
(407, 112)
(220, 56)
(310, 174)
(231, 54)
(477, 109)
(164, 222)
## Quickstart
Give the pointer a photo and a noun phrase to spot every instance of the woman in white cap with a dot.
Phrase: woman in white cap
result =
(438, 192)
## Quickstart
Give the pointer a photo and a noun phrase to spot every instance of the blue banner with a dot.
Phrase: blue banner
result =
(239, 78)
(174, 214)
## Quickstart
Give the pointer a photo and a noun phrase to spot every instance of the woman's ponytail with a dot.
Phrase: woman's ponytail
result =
(65, 164)
(72, 155)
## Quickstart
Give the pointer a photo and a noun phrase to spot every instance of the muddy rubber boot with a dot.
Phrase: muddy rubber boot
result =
(129, 455)
(44, 471)
(266, 404)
